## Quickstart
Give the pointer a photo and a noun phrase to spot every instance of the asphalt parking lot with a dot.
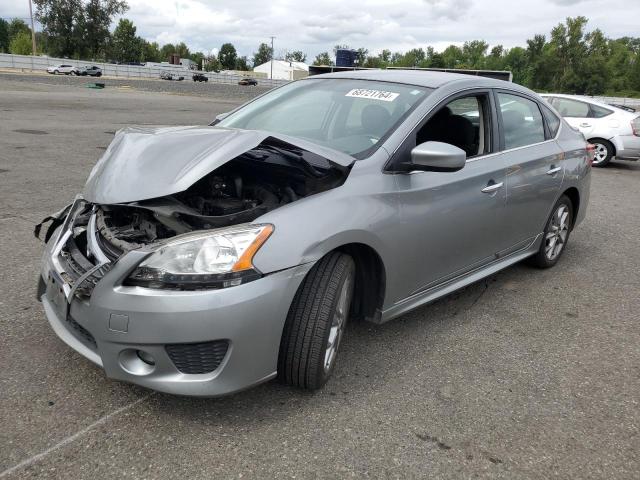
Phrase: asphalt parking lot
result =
(527, 374)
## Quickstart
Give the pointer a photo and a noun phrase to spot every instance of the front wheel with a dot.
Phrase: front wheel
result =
(316, 322)
(603, 152)
(556, 234)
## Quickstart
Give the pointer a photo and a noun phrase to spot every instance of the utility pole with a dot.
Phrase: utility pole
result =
(33, 30)
(271, 76)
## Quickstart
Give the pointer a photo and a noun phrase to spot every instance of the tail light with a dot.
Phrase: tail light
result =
(591, 153)
(635, 126)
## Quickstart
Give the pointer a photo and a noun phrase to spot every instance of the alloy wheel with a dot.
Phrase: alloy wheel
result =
(601, 153)
(557, 232)
(337, 324)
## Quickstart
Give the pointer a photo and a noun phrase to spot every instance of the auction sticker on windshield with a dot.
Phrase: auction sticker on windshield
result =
(374, 94)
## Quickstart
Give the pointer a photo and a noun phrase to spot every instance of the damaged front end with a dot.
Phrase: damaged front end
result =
(190, 205)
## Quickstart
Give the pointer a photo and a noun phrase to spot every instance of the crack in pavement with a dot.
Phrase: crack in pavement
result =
(70, 439)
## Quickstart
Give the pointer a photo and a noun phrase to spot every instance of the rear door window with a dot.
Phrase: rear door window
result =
(572, 108)
(522, 122)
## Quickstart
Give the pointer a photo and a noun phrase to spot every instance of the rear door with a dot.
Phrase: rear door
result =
(534, 162)
(576, 113)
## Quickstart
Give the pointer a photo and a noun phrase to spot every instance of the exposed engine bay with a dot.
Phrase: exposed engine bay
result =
(260, 180)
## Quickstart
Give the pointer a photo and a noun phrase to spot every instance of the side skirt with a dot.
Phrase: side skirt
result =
(438, 291)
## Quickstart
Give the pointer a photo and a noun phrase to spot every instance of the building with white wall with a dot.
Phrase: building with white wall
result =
(284, 70)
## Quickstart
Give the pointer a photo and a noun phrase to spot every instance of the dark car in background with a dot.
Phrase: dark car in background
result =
(91, 71)
(200, 77)
(248, 81)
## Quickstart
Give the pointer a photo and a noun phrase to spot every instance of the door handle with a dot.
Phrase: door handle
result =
(585, 125)
(553, 170)
(492, 187)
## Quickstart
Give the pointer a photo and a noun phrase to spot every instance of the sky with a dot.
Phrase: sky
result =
(399, 25)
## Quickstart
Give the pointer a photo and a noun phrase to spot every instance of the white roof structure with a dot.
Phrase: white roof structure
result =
(283, 70)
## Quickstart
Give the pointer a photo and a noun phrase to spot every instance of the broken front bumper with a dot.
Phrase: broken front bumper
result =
(203, 343)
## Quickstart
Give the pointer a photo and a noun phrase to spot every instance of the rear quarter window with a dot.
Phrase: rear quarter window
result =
(599, 112)
(553, 122)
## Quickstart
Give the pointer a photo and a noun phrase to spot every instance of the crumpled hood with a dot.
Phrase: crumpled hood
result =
(150, 162)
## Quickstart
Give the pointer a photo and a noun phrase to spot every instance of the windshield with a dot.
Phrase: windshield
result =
(352, 116)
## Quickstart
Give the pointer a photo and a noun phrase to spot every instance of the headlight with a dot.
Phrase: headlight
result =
(214, 259)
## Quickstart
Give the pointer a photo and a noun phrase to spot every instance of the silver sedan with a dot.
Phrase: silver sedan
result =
(205, 260)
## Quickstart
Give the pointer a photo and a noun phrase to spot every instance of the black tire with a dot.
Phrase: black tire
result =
(56, 72)
(602, 145)
(542, 259)
(305, 338)
(99, 74)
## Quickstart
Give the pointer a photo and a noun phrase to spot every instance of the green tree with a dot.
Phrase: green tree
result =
(16, 27)
(474, 53)
(166, 51)
(63, 25)
(242, 64)
(296, 56)
(495, 59)
(182, 50)
(263, 55)
(4, 36)
(125, 45)
(378, 61)
(98, 15)
(515, 61)
(323, 59)
(339, 47)
(212, 64)
(21, 44)
(228, 56)
(151, 52)
(437, 61)
(620, 64)
(197, 57)
(453, 57)
(634, 74)
(361, 55)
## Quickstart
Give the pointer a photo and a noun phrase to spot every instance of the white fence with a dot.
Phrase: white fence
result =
(40, 64)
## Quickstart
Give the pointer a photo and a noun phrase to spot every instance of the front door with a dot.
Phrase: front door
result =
(452, 222)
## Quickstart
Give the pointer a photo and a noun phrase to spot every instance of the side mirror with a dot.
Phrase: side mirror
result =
(219, 118)
(437, 157)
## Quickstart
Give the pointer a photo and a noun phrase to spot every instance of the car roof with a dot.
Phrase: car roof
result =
(422, 78)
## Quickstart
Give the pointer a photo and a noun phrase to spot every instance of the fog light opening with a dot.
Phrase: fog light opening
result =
(146, 357)
(137, 362)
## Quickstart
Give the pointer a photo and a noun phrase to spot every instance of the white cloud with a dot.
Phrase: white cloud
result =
(398, 25)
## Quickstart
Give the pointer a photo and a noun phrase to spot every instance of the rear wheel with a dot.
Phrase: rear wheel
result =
(603, 152)
(315, 323)
(556, 234)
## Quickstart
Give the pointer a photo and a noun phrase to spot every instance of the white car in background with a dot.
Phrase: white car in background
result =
(63, 68)
(614, 132)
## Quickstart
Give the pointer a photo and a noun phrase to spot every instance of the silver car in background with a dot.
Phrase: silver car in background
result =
(64, 68)
(615, 132)
(205, 260)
